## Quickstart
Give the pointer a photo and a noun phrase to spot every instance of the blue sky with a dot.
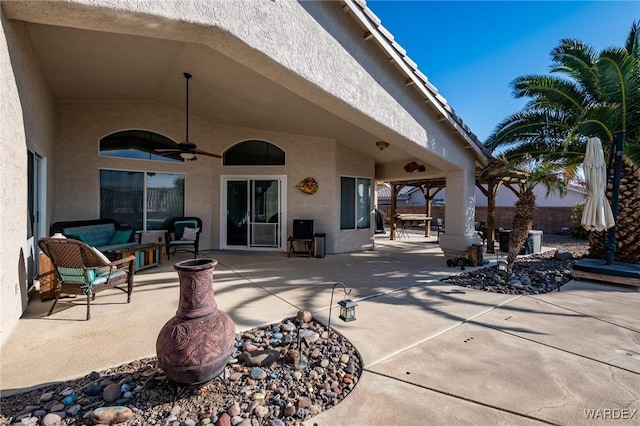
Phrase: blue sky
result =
(472, 50)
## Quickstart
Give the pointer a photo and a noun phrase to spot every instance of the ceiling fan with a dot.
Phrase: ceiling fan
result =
(187, 149)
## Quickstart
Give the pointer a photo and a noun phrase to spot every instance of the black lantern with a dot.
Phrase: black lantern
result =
(347, 310)
(558, 279)
(347, 306)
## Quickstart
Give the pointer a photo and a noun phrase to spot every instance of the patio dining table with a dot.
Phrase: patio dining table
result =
(403, 221)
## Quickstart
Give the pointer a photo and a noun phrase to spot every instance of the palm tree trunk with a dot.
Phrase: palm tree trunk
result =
(627, 235)
(522, 224)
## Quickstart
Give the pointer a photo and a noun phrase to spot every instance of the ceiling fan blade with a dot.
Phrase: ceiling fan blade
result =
(167, 150)
(186, 145)
(210, 154)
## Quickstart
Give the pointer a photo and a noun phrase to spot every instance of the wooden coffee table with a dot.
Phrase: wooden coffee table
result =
(147, 255)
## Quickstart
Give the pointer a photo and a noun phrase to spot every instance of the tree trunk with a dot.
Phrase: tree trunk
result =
(522, 223)
(627, 236)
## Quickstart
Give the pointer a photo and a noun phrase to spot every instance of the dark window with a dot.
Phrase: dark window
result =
(355, 203)
(123, 195)
(254, 153)
(138, 144)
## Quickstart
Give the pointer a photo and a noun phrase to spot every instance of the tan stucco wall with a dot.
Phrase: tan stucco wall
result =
(82, 124)
(349, 163)
(26, 117)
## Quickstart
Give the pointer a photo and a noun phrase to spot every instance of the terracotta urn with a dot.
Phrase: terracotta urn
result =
(193, 347)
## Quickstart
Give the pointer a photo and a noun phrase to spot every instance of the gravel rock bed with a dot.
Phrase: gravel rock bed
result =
(269, 390)
(532, 274)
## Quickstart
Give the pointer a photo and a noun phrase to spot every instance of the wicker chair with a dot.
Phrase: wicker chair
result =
(81, 269)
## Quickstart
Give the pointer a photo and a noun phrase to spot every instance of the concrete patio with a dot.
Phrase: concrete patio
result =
(432, 353)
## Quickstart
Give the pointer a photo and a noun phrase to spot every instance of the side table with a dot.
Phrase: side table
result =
(46, 277)
(147, 255)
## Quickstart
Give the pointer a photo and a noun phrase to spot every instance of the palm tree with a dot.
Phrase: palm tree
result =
(521, 178)
(588, 94)
(596, 94)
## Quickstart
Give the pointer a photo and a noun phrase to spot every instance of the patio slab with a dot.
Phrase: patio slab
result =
(546, 321)
(500, 370)
(380, 400)
(390, 324)
(596, 299)
(307, 282)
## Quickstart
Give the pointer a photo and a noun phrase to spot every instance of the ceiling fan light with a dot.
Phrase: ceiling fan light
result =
(187, 155)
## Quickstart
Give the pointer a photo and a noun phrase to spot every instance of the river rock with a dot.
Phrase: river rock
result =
(287, 326)
(111, 393)
(258, 373)
(93, 389)
(223, 420)
(234, 409)
(52, 419)
(305, 316)
(46, 397)
(304, 402)
(261, 411)
(309, 336)
(260, 358)
(111, 415)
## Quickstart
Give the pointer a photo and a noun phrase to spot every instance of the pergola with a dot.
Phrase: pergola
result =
(488, 180)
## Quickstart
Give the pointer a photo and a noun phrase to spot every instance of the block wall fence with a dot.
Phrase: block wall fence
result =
(550, 220)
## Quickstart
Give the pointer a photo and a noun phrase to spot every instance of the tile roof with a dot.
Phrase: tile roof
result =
(384, 192)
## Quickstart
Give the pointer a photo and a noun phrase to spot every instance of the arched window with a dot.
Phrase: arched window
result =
(254, 153)
(138, 144)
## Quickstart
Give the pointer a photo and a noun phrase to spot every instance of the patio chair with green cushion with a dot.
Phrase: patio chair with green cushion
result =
(81, 269)
(183, 233)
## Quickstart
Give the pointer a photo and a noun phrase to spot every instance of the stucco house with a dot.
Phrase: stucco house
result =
(282, 90)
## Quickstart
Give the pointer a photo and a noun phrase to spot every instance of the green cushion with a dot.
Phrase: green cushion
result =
(77, 275)
(121, 236)
(94, 235)
(78, 237)
(103, 271)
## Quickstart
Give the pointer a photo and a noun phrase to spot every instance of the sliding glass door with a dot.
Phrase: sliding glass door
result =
(36, 219)
(252, 213)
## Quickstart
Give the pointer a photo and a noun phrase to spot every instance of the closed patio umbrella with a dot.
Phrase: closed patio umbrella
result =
(597, 215)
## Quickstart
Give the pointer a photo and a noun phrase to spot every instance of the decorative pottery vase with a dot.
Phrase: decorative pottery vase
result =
(193, 347)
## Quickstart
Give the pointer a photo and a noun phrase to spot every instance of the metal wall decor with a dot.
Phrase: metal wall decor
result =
(308, 186)
(413, 166)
